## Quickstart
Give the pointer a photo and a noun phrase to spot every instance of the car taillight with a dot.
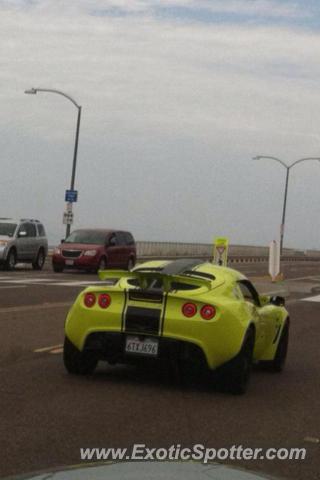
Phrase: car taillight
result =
(104, 300)
(207, 312)
(89, 299)
(189, 309)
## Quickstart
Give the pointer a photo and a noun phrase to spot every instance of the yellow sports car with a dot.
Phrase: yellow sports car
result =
(192, 313)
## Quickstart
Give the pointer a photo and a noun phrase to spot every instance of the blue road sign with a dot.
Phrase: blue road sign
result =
(71, 196)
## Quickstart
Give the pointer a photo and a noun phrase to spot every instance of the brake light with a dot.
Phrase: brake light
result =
(89, 299)
(189, 310)
(104, 300)
(207, 312)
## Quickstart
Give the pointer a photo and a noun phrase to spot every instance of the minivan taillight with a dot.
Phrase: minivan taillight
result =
(104, 300)
(89, 299)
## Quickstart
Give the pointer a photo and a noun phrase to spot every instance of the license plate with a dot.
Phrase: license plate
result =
(147, 346)
(69, 262)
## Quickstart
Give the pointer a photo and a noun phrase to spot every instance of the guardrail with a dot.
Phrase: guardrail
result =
(237, 253)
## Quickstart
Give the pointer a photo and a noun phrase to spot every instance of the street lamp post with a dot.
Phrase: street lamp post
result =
(288, 168)
(33, 91)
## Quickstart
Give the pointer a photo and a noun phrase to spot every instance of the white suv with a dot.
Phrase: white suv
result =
(22, 241)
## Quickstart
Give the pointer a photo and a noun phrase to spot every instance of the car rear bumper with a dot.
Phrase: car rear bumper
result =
(110, 346)
(81, 262)
(3, 253)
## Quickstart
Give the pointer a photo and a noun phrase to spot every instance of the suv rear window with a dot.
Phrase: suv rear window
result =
(41, 230)
(31, 230)
(7, 229)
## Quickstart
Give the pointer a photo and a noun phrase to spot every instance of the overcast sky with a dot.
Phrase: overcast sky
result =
(177, 97)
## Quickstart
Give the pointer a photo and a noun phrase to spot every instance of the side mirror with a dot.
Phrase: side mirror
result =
(111, 242)
(62, 240)
(23, 233)
(264, 300)
(277, 300)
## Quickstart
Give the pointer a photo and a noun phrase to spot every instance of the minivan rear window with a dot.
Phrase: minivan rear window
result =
(87, 236)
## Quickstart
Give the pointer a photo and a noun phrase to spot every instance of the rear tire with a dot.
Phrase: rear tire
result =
(236, 373)
(77, 362)
(39, 262)
(11, 260)
(277, 364)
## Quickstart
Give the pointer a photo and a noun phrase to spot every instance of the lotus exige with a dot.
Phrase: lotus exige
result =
(193, 313)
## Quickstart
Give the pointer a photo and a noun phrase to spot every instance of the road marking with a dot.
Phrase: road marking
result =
(13, 286)
(56, 350)
(275, 292)
(53, 281)
(312, 439)
(82, 283)
(46, 349)
(311, 299)
(26, 308)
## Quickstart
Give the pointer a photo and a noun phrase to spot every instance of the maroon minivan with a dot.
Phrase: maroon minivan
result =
(95, 249)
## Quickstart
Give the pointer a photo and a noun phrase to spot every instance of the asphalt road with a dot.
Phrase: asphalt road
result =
(46, 415)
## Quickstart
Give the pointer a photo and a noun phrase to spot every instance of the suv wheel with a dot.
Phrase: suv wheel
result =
(39, 262)
(11, 260)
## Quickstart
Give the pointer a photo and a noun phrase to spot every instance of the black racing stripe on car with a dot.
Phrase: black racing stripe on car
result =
(164, 307)
(150, 269)
(181, 265)
(124, 310)
(142, 320)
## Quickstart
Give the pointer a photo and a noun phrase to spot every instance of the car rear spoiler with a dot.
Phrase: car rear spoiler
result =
(145, 277)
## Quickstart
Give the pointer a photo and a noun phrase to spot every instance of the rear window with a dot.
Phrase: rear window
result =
(31, 230)
(157, 284)
(41, 230)
(7, 229)
(129, 238)
(121, 238)
(87, 236)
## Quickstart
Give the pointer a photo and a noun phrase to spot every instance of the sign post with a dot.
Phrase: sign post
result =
(220, 251)
(274, 260)
(68, 217)
(70, 197)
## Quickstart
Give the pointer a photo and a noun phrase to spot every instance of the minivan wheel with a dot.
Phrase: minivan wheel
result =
(39, 262)
(102, 264)
(11, 260)
(130, 264)
(57, 268)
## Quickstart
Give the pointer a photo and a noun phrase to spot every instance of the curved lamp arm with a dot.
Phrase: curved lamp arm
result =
(259, 157)
(33, 91)
(304, 160)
